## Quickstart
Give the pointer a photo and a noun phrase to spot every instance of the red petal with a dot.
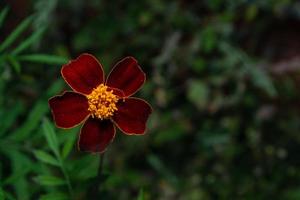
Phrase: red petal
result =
(132, 115)
(127, 76)
(83, 74)
(117, 92)
(96, 135)
(69, 109)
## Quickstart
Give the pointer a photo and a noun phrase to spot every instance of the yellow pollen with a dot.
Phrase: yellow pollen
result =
(102, 102)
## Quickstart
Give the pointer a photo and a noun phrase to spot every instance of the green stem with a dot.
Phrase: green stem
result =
(63, 169)
(100, 168)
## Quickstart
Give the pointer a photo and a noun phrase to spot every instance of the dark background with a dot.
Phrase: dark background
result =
(222, 78)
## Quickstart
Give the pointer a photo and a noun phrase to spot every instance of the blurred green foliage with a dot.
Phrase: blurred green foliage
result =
(222, 77)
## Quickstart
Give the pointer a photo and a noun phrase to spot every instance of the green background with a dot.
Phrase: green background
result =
(222, 78)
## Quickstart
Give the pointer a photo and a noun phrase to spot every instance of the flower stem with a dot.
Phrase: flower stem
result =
(70, 189)
(100, 168)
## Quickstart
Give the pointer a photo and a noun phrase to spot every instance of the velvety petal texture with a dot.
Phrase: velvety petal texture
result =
(132, 115)
(118, 92)
(126, 76)
(69, 109)
(83, 74)
(96, 135)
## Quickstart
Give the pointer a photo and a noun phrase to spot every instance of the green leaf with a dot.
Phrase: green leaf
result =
(43, 58)
(10, 116)
(69, 144)
(32, 121)
(3, 15)
(21, 165)
(16, 33)
(1, 194)
(46, 158)
(54, 196)
(198, 93)
(37, 112)
(51, 137)
(9, 196)
(56, 87)
(208, 39)
(29, 41)
(141, 195)
(159, 166)
(262, 80)
(14, 63)
(49, 180)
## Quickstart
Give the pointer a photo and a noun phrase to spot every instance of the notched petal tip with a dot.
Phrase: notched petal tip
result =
(83, 74)
(127, 76)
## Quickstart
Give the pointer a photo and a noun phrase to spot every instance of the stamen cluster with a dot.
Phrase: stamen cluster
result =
(102, 102)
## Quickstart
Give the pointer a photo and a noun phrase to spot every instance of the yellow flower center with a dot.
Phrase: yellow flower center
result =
(102, 102)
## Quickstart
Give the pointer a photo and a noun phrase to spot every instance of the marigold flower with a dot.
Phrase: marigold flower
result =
(101, 104)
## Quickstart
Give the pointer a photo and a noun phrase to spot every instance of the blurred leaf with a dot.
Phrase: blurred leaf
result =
(3, 14)
(37, 112)
(54, 196)
(21, 166)
(50, 135)
(56, 87)
(199, 65)
(49, 180)
(293, 193)
(43, 13)
(14, 63)
(170, 133)
(81, 171)
(31, 122)
(263, 81)
(208, 39)
(16, 33)
(8, 196)
(158, 165)
(46, 158)
(211, 139)
(198, 93)
(10, 117)
(141, 195)
(43, 58)
(69, 144)
(251, 12)
(1, 194)
(29, 41)
(214, 4)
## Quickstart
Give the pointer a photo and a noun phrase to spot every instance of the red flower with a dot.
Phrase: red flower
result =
(101, 104)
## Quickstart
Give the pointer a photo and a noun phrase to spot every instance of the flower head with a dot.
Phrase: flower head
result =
(99, 103)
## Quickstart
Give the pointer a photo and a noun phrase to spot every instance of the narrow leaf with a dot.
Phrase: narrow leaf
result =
(16, 33)
(69, 143)
(43, 58)
(54, 196)
(46, 158)
(14, 63)
(51, 137)
(36, 113)
(3, 15)
(49, 180)
(1, 194)
(29, 41)
(141, 195)
(11, 115)
(31, 122)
